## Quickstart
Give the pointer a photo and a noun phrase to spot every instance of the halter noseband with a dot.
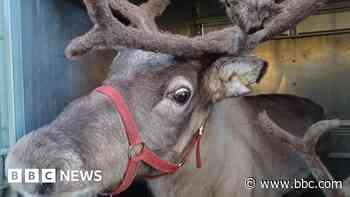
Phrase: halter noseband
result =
(138, 150)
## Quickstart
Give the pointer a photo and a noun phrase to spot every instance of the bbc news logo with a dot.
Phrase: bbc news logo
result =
(52, 176)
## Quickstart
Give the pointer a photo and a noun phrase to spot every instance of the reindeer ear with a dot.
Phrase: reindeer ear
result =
(230, 77)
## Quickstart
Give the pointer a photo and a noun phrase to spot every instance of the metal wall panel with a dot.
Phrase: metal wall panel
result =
(11, 80)
(4, 138)
(51, 81)
(325, 22)
(313, 67)
(11, 75)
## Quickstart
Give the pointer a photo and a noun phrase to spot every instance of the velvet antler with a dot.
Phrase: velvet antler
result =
(306, 146)
(109, 32)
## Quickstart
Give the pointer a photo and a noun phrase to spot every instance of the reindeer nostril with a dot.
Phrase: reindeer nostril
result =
(45, 188)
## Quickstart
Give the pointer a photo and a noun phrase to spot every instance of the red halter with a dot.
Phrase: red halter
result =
(138, 151)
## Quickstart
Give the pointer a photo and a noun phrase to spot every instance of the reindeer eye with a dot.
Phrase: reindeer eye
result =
(181, 96)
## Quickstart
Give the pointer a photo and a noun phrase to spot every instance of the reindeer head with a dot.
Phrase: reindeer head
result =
(169, 90)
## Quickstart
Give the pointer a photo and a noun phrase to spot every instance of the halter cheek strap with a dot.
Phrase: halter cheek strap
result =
(138, 151)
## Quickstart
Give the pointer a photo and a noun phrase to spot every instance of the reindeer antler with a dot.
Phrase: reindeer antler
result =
(306, 146)
(109, 32)
(290, 14)
(144, 16)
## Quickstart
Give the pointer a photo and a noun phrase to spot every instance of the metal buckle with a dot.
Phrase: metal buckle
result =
(199, 134)
(135, 150)
(201, 130)
(180, 164)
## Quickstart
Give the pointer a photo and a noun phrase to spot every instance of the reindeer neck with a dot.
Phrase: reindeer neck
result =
(218, 145)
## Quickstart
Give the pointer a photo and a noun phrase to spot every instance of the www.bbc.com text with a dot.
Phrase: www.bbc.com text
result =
(252, 183)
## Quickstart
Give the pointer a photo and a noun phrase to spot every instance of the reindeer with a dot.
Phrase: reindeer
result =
(166, 95)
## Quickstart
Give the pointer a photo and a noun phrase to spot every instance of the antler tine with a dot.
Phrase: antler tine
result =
(314, 133)
(144, 16)
(306, 146)
(290, 13)
(100, 13)
(155, 8)
(131, 12)
(101, 16)
(276, 131)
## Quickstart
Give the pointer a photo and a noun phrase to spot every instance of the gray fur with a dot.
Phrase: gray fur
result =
(135, 59)
(89, 134)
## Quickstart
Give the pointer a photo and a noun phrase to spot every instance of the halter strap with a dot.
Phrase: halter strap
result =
(138, 151)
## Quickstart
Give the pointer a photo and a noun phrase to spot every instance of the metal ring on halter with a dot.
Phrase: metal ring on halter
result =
(201, 130)
(181, 163)
(135, 150)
